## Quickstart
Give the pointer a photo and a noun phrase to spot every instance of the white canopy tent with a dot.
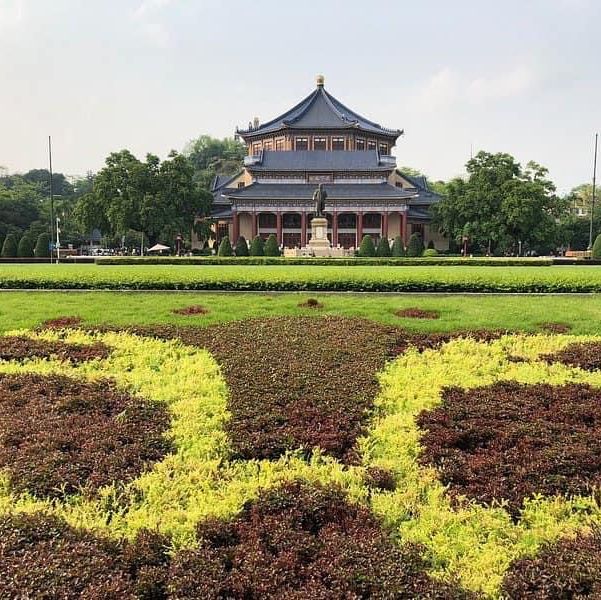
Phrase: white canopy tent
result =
(158, 248)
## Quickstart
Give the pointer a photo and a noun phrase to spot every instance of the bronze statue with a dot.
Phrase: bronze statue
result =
(319, 197)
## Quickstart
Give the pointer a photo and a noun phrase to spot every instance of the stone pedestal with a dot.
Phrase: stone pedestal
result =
(319, 242)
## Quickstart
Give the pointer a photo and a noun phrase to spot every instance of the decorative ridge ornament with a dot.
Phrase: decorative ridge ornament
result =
(320, 80)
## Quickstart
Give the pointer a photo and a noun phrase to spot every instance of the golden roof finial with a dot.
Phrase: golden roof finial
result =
(320, 80)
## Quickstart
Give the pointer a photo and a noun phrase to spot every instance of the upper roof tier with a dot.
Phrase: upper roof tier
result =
(318, 111)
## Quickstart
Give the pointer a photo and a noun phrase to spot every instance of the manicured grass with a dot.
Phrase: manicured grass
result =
(298, 278)
(30, 309)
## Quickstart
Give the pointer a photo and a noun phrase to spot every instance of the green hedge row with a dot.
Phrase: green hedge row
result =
(329, 262)
(303, 278)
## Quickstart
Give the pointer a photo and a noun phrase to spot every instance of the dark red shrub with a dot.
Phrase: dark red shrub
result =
(417, 313)
(569, 568)
(303, 543)
(62, 323)
(555, 327)
(509, 441)
(42, 557)
(380, 479)
(22, 348)
(585, 355)
(195, 309)
(311, 303)
(59, 436)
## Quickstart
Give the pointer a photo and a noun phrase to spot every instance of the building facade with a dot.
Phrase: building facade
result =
(320, 140)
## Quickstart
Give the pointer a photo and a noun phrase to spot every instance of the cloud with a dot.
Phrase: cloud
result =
(447, 87)
(11, 13)
(148, 7)
(148, 17)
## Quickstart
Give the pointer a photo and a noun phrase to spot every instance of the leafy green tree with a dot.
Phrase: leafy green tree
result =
(25, 247)
(398, 248)
(416, 245)
(9, 248)
(257, 246)
(367, 248)
(42, 246)
(271, 246)
(211, 156)
(383, 248)
(225, 247)
(596, 254)
(241, 246)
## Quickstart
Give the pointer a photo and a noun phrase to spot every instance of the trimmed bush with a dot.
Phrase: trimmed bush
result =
(23, 348)
(416, 245)
(9, 247)
(271, 246)
(25, 248)
(302, 542)
(430, 252)
(367, 248)
(398, 248)
(257, 246)
(241, 246)
(225, 247)
(383, 249)
(569, 568)
(586, 355)
(42, 246)
(510, 441)
(430, 245)
(596, 253)
(62, 436)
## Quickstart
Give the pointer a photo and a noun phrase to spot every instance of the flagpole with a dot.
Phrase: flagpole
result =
(590, 236)
(51, 200)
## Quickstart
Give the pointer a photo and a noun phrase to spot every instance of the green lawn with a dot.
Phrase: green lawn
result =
(518, 312)
(286, 277)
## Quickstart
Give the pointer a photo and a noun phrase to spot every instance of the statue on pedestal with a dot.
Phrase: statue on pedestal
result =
(319, 197)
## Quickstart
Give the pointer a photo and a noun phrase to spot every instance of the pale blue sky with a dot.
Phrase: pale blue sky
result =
(522, 77)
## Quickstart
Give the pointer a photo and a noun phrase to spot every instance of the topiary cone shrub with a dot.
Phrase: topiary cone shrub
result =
(42, 246)
(241, 246)
(367, 248)
(257, 246)
(225, 248)
(416, 245)
(398, 248)
(597, 247)
(9, 248)
(271, 246)
(25, 247)
(383, 249)
(430, 245)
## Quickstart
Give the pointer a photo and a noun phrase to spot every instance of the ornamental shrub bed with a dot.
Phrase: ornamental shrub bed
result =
(417, 313)
(195, 309)
(302, 542)
(570, 568)
(66, 322)
(510, 441)
(585, 356)
(60, 436)
(24, 348)
(555, 327)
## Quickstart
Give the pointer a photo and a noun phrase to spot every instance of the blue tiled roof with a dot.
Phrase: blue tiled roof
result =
(320, 160)
(320, 110)
(336, 191)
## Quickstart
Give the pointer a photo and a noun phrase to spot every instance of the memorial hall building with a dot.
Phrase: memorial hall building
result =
(320, 140)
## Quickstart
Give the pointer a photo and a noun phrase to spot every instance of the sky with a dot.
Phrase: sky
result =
(518, 76)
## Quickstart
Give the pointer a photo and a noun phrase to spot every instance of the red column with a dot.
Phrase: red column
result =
(303, 229)
(385, 225)
(359, 228)
(404, 227)
(278, 226)
(255, 228)
(334, 229)
(235, 226)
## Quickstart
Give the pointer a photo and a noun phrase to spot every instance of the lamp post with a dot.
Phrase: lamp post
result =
(590, 235)
(58, 242)
(178, 244)
(51, 200)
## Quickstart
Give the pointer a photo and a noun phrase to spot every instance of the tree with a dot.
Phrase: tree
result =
(42, 246)
(596, 254)
(257, 246)
(398, 248)
(241, 247)
(367, 248)
(9, 248)
(383, 248)
(225, 247)
(211, 156)
(25, 247)
(416, 245)
(271, 246)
